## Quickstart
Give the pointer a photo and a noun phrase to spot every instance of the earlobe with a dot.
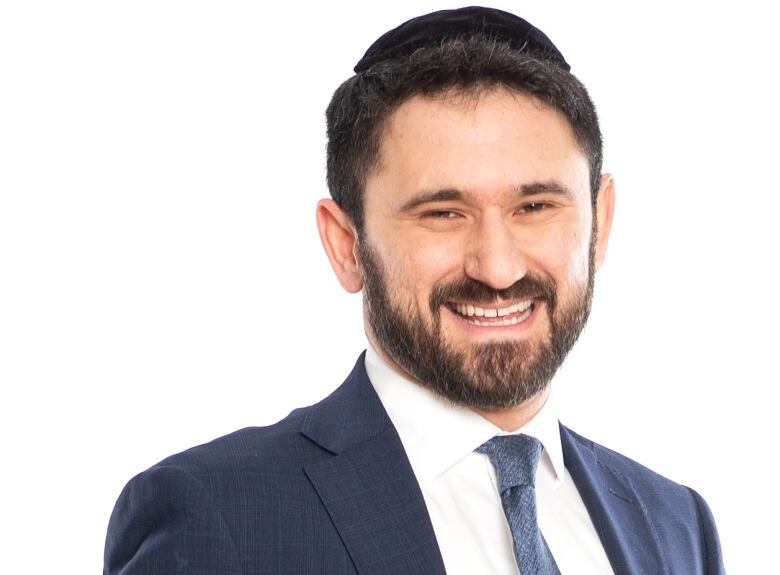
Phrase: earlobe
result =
(339, 238)
(605, 207)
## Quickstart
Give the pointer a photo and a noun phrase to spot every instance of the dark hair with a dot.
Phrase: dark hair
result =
(360, 107)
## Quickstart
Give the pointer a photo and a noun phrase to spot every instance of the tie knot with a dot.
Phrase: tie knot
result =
(515, 458)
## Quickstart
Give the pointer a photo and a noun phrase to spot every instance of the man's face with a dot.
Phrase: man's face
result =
(478, 250)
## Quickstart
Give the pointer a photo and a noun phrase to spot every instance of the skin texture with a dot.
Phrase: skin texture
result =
(491, 188)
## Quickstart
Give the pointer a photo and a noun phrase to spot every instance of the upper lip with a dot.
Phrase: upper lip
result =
(495, 304)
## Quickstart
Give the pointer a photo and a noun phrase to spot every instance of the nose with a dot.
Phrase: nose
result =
(494, 256)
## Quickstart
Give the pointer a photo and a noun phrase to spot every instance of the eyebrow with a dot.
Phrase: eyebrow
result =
(539, 188)
(453, 194)
(444, 195)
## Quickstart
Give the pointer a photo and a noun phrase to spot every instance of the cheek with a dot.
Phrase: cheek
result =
(432, 259)
(415, 268)
(565, 256)
(578, 265)
(429, 265)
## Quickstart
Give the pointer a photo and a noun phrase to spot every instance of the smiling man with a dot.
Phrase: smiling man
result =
(468, 205)
(482, 213)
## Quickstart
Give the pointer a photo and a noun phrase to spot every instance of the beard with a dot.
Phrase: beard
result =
(488, 376)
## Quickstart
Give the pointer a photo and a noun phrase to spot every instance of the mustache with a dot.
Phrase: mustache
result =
(473, 291)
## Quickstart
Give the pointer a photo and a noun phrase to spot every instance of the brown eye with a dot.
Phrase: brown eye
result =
(533, 207)
(442, 215)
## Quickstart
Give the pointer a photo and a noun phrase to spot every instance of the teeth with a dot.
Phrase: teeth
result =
(470, 310)
(511, 321)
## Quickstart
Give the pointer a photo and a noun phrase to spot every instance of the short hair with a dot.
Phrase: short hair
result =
(360, 108)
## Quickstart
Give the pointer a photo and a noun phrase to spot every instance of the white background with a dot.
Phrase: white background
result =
(162, 282)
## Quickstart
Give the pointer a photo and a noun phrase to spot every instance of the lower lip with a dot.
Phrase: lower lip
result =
(497, 329)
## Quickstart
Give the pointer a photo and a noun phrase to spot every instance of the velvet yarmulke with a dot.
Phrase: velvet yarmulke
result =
(434, 27)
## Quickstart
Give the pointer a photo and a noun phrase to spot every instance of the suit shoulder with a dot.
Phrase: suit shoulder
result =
(272, 446)
(661, 495)
(681, 519)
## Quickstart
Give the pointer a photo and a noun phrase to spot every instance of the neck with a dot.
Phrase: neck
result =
(513, 418)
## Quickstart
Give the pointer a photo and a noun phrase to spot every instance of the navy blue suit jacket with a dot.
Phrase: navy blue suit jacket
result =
(329, 490)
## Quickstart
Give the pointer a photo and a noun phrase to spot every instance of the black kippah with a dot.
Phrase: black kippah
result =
(437, 26)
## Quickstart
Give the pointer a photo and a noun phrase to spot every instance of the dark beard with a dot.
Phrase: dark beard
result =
(487, 376)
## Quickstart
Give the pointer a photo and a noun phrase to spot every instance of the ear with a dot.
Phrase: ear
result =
(605, 207)
(339, 238)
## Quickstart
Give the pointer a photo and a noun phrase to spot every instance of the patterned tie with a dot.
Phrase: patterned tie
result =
(515, 458)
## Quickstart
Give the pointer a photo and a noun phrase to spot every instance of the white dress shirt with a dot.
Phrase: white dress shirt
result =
(460, 489)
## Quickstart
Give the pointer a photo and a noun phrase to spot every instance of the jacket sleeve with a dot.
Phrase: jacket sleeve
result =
(165, 522)
(713, 557)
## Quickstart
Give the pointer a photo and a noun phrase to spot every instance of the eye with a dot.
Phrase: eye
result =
(533, 207)
(442, 215)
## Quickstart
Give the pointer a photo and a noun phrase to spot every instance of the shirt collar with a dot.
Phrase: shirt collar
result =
(436, 433)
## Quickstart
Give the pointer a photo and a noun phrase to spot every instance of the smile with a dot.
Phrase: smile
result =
(494, 317)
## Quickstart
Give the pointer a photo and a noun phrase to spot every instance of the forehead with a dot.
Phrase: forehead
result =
(489, 142)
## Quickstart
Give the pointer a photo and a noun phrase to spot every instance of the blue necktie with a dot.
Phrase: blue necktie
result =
(515, 458)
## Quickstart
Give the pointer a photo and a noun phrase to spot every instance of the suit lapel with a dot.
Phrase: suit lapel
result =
(615, 508)
(368, 485)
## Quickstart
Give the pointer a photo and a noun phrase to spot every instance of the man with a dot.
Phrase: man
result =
(464, 161)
